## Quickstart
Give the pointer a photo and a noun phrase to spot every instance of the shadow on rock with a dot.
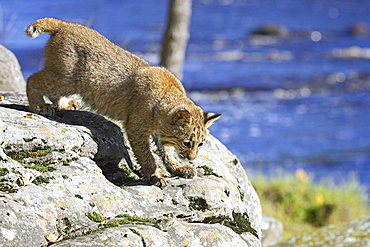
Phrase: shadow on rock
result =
(108, 137)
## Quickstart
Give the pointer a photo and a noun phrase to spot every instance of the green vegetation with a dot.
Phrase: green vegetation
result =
(42, 180)
(208, 171)
(127, 219)
(40, 167)
(241, 193)
(7, 187)
(29, 139)
(134, 219)
(239, 224)
(121, 219)
(64, 226)
(130, 176)
(3, 171)
(94, 216)
(79, 196)
(303, 206)
(15, 171)
(42, 151)
(68, 161)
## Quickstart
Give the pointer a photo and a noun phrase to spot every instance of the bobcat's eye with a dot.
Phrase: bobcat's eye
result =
(200, 144)
(187, 144)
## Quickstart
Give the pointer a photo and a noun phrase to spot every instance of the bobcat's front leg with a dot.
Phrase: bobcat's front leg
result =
(184, 171)
(141, 148)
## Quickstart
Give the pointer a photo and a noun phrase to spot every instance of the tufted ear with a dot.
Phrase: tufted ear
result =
(209, 118)
(181, 117)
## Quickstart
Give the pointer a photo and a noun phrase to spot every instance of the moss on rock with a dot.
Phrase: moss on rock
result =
(41, 180)
(239, 224)
(94, 216)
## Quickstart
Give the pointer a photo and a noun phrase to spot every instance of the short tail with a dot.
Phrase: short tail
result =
(45, 25)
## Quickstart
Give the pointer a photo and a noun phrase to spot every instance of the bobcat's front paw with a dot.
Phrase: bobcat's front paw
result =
(185, 171)
(44, 109)
(157, 181)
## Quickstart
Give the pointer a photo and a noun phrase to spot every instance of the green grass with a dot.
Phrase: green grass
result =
(303, 206)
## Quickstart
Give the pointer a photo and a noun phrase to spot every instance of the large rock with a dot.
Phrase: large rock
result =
(272, 231)
(11, 78)
(354, 234)
(69, 175)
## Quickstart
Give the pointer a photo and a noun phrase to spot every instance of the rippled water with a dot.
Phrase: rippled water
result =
(302, 101)
(328, 136)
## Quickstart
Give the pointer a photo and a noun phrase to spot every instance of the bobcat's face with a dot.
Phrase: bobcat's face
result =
(191, 141)
(187, 133)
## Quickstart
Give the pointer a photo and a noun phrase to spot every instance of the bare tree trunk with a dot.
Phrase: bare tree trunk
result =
(176, 37)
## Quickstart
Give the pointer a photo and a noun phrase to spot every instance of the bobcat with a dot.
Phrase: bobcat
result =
(149, 100)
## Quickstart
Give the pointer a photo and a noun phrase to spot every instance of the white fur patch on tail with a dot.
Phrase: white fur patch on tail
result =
(32, 32)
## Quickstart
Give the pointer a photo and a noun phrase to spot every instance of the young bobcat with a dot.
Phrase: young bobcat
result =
(114, 82)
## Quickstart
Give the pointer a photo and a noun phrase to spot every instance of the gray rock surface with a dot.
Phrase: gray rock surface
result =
(69, 176)
(11, 78)
(354, 234)
(272, 231)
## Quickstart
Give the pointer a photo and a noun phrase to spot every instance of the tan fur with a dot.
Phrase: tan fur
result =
(148, 99)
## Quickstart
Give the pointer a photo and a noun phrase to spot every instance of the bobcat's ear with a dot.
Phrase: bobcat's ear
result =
(209, 118)
(181, 117)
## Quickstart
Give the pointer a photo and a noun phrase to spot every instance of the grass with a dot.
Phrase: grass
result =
(304, 206)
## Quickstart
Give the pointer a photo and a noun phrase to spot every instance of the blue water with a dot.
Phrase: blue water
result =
(287, 103)
(328, 136)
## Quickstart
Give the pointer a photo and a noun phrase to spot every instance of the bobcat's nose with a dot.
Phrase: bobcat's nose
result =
(192, 155)
(189, 154)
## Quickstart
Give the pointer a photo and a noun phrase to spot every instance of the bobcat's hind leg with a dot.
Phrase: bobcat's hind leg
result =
(35, 94)
(43, 83)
